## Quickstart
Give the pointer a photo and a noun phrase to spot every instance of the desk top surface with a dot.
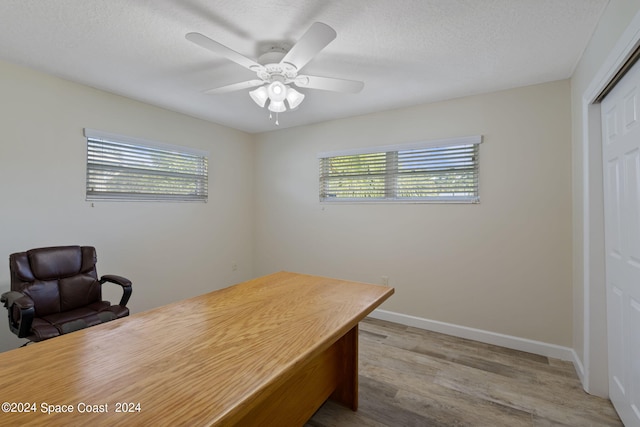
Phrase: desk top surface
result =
(198, 361)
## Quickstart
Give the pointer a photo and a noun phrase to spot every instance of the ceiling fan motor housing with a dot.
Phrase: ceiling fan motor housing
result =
(272, 67)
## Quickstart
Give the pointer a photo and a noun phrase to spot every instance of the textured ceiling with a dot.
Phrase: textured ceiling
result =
(406, 52)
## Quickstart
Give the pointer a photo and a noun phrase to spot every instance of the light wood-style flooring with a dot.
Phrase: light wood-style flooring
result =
(412, 377)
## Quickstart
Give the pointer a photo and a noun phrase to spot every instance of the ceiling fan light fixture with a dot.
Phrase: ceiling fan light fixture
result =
(277, 91)
(277, 106)
(259, 96)
(294, 98)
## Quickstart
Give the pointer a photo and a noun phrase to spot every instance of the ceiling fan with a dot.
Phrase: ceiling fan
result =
(278, 68)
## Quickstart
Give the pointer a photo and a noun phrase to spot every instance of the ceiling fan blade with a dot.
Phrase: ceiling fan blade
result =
(329, 83)
(317, 37)
(222, 50)
(235, 86)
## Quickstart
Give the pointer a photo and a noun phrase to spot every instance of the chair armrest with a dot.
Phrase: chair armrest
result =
(18, 298)
(26, 311)
(119, 280)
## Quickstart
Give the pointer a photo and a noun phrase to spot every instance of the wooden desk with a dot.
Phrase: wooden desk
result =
(268, 351)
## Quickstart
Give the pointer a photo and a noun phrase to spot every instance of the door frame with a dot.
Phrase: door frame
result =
(593, 369)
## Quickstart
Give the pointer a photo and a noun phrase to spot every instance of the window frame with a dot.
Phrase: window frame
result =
(390, 188)
(200, 173)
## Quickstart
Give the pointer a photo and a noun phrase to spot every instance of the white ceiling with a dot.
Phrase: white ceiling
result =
(406, 52)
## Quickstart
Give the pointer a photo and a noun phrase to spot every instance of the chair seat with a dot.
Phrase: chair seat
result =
(68, 321)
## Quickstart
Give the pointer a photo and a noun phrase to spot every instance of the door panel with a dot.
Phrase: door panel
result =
(632, 166)
(614, 211)
(635, 359)
(616, 343)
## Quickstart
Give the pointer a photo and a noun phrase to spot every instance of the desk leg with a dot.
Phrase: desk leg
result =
(347, 391)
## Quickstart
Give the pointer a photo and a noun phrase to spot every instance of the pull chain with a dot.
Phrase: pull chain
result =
(271, 118)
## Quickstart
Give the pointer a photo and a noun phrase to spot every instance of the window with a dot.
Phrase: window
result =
(433, 171)
(125, 168)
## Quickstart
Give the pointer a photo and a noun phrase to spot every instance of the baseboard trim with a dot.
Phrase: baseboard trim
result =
(508, 341)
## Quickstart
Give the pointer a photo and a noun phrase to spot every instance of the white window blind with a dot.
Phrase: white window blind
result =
(433, 171)
(126, 168)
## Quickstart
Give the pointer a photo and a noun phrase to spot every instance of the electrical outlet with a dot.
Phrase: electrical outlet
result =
(385, 280)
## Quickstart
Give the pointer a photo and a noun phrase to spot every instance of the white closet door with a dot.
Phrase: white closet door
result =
(621, 157)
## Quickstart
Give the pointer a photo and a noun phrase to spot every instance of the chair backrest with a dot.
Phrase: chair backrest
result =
(56, 278)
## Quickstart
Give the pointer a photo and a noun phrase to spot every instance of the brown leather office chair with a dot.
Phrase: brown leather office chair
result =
(56, 290)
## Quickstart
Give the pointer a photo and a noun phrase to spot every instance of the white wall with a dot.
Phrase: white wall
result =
(169, 250)
(589, 320)
(503, 265)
